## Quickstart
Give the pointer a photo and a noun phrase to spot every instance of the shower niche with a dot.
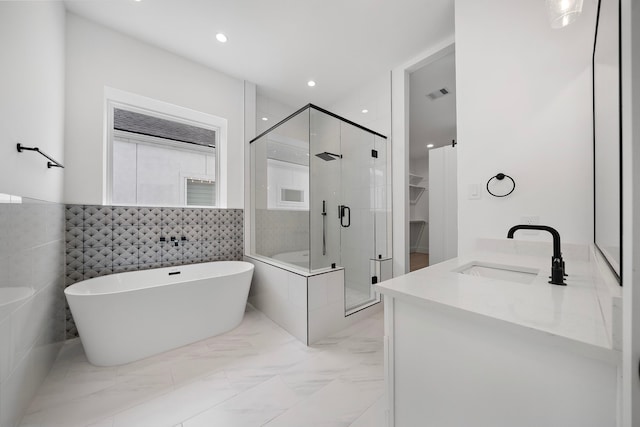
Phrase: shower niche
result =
(320, 221)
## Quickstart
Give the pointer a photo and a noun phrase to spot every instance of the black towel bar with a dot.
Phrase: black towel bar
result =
(50, 164)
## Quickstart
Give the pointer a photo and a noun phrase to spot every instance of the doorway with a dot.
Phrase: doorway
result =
(432, 173)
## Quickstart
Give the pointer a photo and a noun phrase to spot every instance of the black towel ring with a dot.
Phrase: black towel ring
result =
(500, 177)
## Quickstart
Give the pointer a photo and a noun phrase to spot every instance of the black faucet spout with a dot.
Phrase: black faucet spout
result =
(557, 264)
(557, 253)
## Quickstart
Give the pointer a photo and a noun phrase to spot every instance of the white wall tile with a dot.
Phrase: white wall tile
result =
(6, 349)
(318, 294)
(297, 287)
(282, 296)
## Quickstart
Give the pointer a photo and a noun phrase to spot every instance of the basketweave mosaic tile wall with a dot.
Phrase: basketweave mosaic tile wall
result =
(103, 240)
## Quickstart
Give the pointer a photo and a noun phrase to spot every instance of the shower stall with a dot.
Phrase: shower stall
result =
(320, 197)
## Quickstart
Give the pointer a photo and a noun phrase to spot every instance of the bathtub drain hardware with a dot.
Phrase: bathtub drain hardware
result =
(500, 176)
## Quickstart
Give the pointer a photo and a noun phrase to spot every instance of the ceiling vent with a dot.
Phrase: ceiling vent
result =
(438, 93)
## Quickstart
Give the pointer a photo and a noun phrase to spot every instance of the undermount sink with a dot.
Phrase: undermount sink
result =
(508, 273)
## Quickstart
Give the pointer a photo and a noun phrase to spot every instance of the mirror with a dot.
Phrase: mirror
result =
(607, 134)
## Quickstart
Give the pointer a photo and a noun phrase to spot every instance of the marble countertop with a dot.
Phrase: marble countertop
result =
(572, 312)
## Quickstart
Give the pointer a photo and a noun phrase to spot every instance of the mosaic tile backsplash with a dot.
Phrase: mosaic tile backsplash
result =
(103, 240)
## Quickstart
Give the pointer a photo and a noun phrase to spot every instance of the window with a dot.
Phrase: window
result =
(291, 195)
(200, 192)
(160, 157)
(288, 185)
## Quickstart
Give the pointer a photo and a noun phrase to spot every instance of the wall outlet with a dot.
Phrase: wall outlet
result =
(530, 220)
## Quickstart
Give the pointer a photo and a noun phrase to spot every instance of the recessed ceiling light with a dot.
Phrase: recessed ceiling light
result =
(311, 83)
(265, 119)
(429, 145)
(221, 38)
(365, 111)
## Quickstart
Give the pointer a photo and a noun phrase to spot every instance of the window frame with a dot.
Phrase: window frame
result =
(117, 99)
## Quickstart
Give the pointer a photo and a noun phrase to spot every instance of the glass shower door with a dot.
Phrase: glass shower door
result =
(357, 216)
(345, 169)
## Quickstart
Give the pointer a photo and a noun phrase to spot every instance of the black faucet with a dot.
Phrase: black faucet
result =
(557, 264)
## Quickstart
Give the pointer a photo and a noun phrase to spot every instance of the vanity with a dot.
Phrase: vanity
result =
(484, 340)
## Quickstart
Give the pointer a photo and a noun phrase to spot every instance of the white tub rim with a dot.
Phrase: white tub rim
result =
(82, 288)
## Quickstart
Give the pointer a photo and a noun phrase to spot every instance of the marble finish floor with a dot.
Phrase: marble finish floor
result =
(255, 375)
(355, 298)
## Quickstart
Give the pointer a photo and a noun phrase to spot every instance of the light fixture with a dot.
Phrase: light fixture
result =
(221, 38)
(563, 12)
(365, 111)
(311, 83)
(264, 119)
(429, 145)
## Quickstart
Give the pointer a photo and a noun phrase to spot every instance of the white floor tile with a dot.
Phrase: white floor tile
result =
(375, 416)
(338, 404)
(251, 408)
(104, 423)
(255, 375)
(172, 408)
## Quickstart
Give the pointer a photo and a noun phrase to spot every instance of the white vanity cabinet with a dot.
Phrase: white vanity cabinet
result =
(466, 351)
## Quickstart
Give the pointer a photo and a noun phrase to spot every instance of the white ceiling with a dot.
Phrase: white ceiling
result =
(281, 44)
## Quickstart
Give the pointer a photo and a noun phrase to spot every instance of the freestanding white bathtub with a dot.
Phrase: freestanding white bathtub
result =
(129, 316)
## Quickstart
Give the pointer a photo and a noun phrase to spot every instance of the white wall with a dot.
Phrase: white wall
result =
(630, 41)
(32, 100)
(98, 57)
(249, 134)
(272, 110)
(32, 233)
(524, 108)
(374, 96)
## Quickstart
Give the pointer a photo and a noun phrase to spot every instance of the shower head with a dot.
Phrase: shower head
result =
(326, 156)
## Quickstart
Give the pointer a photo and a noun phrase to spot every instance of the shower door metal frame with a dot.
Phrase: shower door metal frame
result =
(322, 110)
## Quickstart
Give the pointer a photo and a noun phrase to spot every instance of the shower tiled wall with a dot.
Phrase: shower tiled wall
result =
(103, 240)
(280, 231)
